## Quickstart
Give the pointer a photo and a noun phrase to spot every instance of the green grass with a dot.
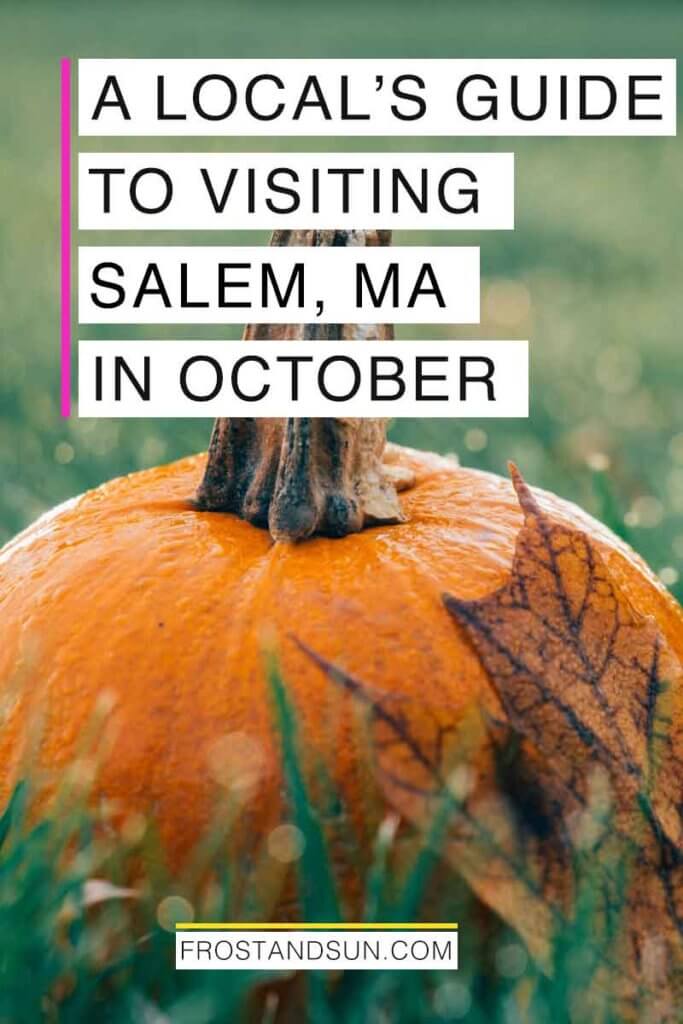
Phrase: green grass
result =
(66, 958)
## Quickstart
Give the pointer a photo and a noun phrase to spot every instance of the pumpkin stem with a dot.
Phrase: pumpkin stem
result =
(300, 477)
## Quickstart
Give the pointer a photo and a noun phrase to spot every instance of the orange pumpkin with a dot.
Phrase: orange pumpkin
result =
(131, 590)
(137, 591)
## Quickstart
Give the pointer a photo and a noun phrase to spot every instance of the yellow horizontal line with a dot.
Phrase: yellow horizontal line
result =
(334, 926)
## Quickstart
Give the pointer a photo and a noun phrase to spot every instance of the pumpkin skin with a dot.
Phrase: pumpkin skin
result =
(130, 590)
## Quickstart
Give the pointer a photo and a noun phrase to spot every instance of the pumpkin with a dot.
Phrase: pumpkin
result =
(134, 591)
(311, 538)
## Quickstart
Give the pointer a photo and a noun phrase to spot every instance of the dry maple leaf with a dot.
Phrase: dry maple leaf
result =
(587, 749)
(578, 671)
(588, 682)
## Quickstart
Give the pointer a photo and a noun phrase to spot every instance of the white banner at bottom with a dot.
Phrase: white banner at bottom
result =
(360, 948)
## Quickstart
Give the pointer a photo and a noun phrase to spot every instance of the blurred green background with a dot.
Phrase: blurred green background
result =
(591, 275)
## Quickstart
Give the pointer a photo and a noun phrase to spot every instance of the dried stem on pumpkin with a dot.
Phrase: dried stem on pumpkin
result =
(300, 477)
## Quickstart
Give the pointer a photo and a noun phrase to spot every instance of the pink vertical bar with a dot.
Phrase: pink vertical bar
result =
(65, 121)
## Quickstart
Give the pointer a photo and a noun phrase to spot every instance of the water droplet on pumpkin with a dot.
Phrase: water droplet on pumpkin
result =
(109, 808)
(106, 702)
(133, 829)
(237, 761)
(286, 843)
(174, 910)
(81, 773)
(461, 782)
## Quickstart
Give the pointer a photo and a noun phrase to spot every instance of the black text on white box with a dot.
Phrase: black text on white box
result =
(378, 97)
(248, 191)
(278, 285)
(303, 378)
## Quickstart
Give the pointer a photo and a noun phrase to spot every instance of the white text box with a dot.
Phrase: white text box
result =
(317, 949)
(367, 97)
(224, 191)
(303, 378)
(297, 284)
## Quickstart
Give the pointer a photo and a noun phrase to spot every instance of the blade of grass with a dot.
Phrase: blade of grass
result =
(316, 880)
